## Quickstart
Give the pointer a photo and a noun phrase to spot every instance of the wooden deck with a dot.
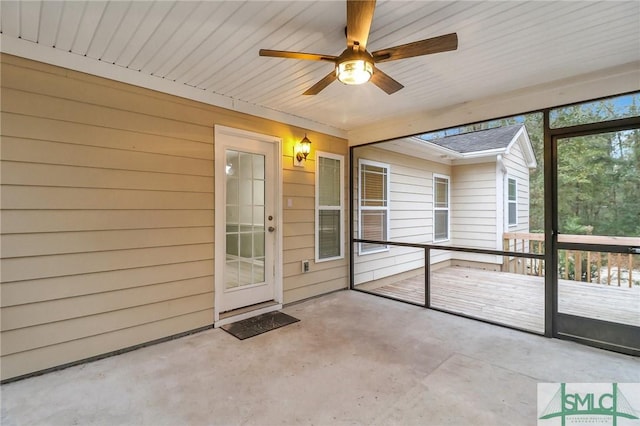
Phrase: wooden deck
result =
(516, 300)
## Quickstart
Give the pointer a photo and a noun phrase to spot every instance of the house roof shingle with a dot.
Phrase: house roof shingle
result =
(482, 140)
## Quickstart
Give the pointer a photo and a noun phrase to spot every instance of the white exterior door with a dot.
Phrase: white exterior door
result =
(247, 219)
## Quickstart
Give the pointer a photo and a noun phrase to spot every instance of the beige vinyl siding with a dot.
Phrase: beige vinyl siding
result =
(517, 168)
(473, 210)
(107, 219)
(299, 226)
(411, 217)
(473, 205)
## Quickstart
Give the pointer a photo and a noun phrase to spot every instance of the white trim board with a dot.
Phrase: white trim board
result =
(245, 315)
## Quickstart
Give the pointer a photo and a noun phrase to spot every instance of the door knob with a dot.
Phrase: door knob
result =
(271, 229)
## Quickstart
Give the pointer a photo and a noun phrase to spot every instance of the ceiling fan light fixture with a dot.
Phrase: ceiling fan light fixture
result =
(354, 71)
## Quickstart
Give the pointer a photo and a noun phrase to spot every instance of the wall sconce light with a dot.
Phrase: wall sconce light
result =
(300, 151)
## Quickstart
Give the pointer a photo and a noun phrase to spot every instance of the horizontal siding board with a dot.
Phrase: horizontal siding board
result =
(316, 289)
(91, 92)
(298, 190)
(477, 176)
(419, 180)
(28, 338)
(291, 269)
(481, 222)
(32, 174)
(26, 268)
(63, 309)
(468, 235)
(71, 286)
(34, 221)
(478, 214)
(46, 152)
(296, 255)
(408, 223)
(300, 228)
(477, 191)
(409, 214)
(19, 245)
(38, 197)
(470, 205)
(336, 273)
(419, 200)
(304, 178)
(399, 234)
(298, 216)
(50, 356)
(298, 241)
(46, 129)
(489, 228)
(420, 206)
(34, 104)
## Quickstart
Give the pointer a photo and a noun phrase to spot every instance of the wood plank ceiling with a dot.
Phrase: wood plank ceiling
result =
(213, 46)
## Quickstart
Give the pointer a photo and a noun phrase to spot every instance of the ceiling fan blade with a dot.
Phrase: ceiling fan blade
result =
(386, 83)
(359, 17)
(319, 86)
(297, 55)
(442, 43)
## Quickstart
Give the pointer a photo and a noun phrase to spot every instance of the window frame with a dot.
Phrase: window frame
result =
(447, 209)
(319, 207)
(380, 248)
(510, 201)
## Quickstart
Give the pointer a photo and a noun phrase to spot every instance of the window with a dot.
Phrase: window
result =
(512, 201)
(329, 206)
(373, 201)
(440, 208)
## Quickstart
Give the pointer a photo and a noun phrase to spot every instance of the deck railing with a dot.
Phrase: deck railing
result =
(575, 265)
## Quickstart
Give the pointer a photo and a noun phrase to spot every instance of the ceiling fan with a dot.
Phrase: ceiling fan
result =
(356, 65)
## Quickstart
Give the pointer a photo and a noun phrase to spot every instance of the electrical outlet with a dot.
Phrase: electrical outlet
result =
(305, 266)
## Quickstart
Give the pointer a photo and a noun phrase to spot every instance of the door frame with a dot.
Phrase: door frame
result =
(220, 145)
(589, 331)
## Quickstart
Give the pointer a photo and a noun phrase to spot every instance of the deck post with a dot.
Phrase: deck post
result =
(577, 266)
(630, 270)
(619, 269)
(427, 277)
(505, 259)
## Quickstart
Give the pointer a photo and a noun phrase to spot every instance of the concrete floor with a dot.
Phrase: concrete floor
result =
(352, 359)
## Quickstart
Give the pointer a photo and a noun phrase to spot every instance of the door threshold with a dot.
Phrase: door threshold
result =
(247, 312)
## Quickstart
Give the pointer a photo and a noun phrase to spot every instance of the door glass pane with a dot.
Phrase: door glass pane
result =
(599, 203)
(245, 219)
(258, 270)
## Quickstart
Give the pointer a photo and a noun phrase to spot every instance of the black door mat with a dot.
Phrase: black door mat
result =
(259, 324)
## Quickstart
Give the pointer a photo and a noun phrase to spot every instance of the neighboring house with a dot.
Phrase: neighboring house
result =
(464, 190)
